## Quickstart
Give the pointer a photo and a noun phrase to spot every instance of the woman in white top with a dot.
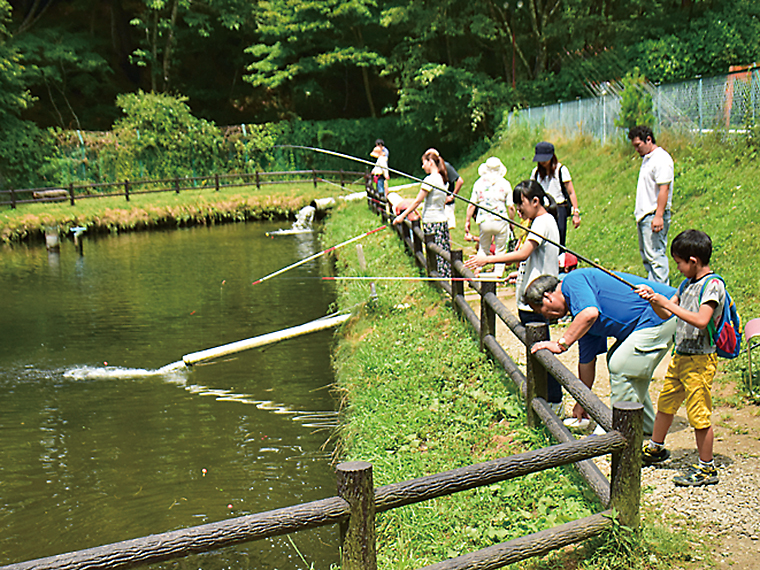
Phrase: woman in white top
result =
(552, 175)
(432, 192)
(491, 194)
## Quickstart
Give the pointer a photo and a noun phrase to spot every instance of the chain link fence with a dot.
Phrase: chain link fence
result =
(728, 102)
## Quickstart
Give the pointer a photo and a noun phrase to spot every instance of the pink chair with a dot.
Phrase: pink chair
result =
(751, 329)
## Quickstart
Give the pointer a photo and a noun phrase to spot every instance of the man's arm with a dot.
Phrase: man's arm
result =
(582, 322)
(662, 202)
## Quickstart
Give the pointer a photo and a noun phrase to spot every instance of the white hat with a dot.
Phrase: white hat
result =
(492, 168)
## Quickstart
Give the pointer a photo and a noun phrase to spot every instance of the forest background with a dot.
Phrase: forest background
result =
(106, 90)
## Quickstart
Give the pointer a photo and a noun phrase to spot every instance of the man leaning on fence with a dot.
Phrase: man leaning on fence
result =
(602, 307)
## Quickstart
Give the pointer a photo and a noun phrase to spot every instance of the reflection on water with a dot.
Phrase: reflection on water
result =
(102, 441)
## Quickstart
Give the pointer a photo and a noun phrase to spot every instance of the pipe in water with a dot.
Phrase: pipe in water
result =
(262, 340)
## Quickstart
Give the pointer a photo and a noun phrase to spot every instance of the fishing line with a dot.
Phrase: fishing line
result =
(316, 255)
(463, 199)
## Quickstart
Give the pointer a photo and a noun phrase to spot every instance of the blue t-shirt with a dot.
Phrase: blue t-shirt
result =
(621, 310)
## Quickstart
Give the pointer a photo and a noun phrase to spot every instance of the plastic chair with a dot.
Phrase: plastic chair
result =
(751, 329)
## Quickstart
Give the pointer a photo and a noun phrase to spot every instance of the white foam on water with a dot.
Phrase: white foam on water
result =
(114, 373)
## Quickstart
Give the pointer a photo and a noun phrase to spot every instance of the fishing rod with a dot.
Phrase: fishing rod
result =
(316, 255)
(463, 199)
(471, 279)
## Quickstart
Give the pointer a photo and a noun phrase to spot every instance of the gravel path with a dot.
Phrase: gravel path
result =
(729, 511)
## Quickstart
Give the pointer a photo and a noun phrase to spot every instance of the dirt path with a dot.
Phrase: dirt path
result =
(729, 512)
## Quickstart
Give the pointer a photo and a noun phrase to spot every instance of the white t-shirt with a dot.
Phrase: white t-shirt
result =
(433, 206)
(381, 166)
(551, 184)
(656, 168)
(543, 261)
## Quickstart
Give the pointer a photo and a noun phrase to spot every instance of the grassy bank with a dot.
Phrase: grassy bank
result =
(419, 398)
(163, 210)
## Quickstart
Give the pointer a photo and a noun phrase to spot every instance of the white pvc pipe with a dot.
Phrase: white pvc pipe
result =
(269, 338)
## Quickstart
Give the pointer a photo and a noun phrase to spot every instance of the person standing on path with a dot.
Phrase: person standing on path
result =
(555, 179)
(689, 379)
(455, 185)
(380, 170)
(491, 194)
(654, 198)
(603, 307)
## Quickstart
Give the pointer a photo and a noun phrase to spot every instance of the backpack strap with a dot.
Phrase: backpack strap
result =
(712, 328)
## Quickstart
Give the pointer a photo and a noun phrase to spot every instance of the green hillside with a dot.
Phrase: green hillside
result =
(713, 192)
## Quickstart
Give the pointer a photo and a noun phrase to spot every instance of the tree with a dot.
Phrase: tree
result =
(304, 39)
(635, 102)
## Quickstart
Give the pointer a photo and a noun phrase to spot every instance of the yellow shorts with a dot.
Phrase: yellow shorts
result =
(689, 377)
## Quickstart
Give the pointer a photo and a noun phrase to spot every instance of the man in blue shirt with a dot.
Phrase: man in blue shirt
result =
(604, 307)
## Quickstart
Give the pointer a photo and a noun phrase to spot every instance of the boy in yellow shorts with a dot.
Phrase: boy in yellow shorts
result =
(689, 378)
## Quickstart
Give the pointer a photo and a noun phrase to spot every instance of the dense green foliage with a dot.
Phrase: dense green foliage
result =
(635, 102)
(254, 62)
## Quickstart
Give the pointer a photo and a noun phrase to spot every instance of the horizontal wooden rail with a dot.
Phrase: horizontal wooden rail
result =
(536, 544)
(464, 478)
(186, 183)
(194, 540)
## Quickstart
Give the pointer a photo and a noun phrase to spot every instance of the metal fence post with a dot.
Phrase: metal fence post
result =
(357, 535)
(431, 258)
(625, 483)
(535, 373)
(487, 314)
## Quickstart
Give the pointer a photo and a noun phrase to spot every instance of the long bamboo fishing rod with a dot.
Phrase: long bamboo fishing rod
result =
(471, 279)
(316, 255)
(463, 199)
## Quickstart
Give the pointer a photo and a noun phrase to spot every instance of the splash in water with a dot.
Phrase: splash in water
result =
(302, 225)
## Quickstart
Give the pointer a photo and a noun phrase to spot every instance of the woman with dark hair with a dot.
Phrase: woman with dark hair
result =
(555, 179)
(536, 257)
(432, 192)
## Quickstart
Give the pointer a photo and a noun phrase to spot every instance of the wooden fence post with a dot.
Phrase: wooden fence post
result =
(71, 192)
(457, 285)
(487, 314)
(535, 372)
(176, 185)
(357, 535)
(216, 182)
(126, 190)
(417, 245)
(314, 173)
(342, 183)
(13, 199)
(625, 482)
(258, 180)
(430, 257)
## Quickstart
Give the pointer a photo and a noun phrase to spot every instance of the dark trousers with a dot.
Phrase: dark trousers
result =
(553, 388)
(563, 213)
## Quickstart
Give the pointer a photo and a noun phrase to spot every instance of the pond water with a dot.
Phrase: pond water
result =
(97, 446)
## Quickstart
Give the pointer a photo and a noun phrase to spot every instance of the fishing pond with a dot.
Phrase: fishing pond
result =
(99, 445)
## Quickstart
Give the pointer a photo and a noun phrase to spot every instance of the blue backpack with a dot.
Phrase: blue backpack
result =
(727, 335)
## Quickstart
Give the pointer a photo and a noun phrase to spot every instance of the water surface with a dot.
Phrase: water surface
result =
(97, 445)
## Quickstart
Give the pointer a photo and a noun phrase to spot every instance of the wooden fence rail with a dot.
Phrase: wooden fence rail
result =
(357, 503)
(127, 188)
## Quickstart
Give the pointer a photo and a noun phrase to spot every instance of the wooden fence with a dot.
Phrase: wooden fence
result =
(358, 501)
(127, 188)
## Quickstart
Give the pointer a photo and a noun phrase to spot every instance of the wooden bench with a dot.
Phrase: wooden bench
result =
(51, 195)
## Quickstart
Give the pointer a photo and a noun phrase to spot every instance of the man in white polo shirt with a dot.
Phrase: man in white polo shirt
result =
(654, 196)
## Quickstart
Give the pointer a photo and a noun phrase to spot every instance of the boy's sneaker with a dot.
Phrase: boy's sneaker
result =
(698, 475)
(650, 456)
